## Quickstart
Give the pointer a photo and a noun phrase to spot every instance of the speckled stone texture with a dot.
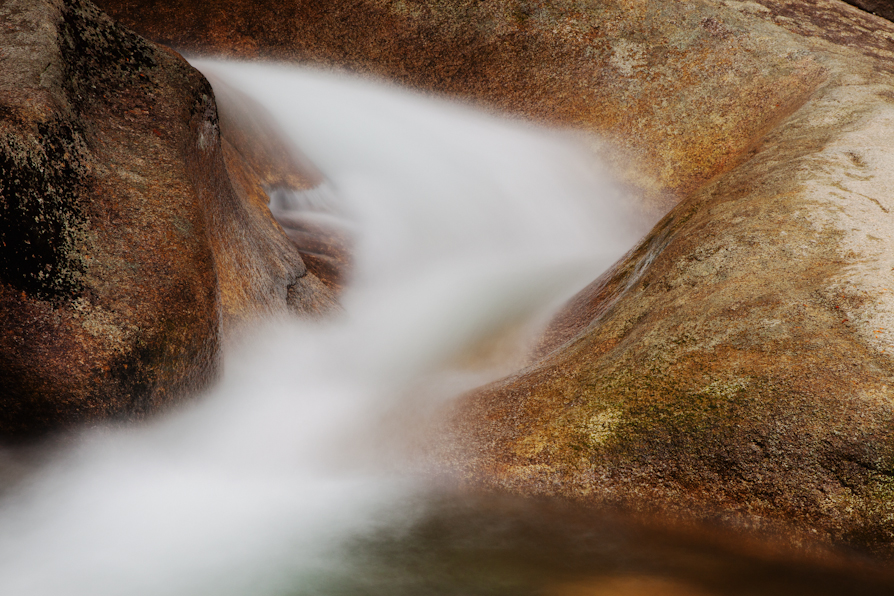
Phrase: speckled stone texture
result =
(736, 366)
(651, 79)
(882, 8)
(125, 254)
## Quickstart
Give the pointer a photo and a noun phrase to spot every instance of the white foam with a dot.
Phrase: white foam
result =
(467, 225)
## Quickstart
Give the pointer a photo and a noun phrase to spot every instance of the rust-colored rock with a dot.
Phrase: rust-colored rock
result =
(653, 80)
(736, 365)
(262, 163)
(125, 253)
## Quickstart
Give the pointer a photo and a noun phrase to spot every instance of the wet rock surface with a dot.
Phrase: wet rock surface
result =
(736, 365)
(270, 172)
(652, 80)
(126, 255)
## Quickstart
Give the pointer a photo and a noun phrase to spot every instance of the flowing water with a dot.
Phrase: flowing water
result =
(296, 474)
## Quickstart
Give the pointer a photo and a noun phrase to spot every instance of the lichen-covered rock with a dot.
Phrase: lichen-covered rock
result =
(125, 253)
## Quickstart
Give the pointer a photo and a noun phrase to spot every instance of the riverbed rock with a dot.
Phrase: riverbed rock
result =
(269, 171)
(676, 92)
(735, 366)
(126, 255)
(882, 8)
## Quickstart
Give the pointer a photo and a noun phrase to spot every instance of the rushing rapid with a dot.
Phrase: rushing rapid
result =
(467, 228)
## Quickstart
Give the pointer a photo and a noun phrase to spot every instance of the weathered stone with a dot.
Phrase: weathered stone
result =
(736, 365)
(653, 80)
(882, 8)
(125, 254)
(262, 163)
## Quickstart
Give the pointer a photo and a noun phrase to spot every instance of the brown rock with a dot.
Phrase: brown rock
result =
(125, 253)
(736, 365)
(262, 164)
(654, 83)
(882, 8)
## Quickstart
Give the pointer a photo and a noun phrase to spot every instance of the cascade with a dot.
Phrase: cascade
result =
(469, 229)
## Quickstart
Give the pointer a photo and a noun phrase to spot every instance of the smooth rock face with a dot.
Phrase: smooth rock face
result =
(737, 364)
(261, 164)
(125, 253)
(654, 80)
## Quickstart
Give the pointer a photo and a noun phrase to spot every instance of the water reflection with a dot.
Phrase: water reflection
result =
(499, 545)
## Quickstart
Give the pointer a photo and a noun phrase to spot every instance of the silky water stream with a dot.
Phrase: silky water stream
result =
(297, 475)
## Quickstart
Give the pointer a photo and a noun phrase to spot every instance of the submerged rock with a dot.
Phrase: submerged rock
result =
(126, 255)
(737, 364)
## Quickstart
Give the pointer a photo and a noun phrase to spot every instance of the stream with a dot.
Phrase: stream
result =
(297, 474)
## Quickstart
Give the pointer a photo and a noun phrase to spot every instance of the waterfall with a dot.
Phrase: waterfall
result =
(469, 229)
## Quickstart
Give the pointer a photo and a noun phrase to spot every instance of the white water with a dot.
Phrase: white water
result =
(466, 226)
